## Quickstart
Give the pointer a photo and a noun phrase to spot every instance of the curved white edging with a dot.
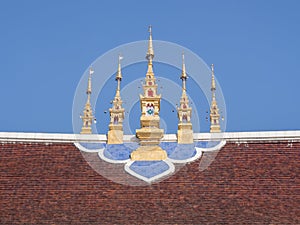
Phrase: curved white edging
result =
(102, 156)
(84, 149)
(211, 149)
(228, 136)
(149, 180)
(195, 157)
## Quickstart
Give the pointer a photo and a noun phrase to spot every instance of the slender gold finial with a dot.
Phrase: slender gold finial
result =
(115, 133)
(150, 52)
(214, 110)
(88, 117)
(185, 128)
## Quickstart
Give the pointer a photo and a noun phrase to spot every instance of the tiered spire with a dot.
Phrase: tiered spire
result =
(115, 133)
(88, 117)
(150, 133)
(214, 110)
(185, 131)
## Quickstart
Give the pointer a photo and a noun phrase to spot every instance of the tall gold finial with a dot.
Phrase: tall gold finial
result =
(115, 133)
(214, 110)
(88, 117)
(185, 129)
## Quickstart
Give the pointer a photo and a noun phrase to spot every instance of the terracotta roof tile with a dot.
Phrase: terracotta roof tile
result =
(248, 183)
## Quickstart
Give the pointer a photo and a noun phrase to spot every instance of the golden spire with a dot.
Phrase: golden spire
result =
(115, 133)
(88, 117)
(185, 128)
(149, 134)
(214, 110)
(150, 54)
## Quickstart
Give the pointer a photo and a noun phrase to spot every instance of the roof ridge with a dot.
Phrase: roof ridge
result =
(228, 136)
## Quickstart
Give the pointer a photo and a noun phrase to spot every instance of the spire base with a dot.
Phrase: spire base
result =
(185, 133)
(215, 129)
(149, 149)
(86, 130)
(149, 153)
(115, 134)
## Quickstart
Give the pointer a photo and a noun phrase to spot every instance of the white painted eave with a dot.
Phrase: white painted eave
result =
(228, 136)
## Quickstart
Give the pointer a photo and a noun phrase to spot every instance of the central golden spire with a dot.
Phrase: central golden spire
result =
(150, 133)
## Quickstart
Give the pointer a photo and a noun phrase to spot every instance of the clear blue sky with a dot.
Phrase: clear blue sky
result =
(45, 47)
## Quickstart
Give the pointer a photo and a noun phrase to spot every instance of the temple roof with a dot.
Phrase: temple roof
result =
(254, 179)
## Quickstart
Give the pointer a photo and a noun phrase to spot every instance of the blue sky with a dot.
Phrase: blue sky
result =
(45, 47)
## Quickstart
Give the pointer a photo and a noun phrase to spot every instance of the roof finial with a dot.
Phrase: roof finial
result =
(88, 117)
(150, 52)
(115, 133)
(185, 131)
(214, 110)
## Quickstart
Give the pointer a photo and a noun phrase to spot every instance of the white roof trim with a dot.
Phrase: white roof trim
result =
(228, 136)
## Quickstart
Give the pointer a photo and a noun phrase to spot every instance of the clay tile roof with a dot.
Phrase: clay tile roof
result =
(254, 179)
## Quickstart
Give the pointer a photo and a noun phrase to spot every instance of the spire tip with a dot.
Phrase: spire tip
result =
(150, 52)
(183, 75)
(91, 71)
(119, 73)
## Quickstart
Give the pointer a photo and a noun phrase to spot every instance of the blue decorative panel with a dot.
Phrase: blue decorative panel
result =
(149, 169)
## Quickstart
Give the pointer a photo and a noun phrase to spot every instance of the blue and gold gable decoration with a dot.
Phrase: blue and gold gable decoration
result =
(150, 156)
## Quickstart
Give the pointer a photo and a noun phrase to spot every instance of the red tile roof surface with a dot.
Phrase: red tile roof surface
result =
(252, 183)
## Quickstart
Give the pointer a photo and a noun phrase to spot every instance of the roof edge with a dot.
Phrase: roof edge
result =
(228, 136)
